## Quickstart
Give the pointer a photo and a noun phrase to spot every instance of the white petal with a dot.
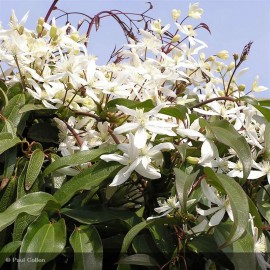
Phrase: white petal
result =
(210, 194)
(115, 157)
(157, 148)
(126, 110)
(140, 138)
(207, 212)
(126, 128)
(120, 177)
(217, 217)
(148, 172)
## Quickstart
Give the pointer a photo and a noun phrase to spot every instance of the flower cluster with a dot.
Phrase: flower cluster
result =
(165, 98)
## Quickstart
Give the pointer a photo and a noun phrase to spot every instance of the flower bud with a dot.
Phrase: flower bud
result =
(212, 58)
(235, 56)
(231, 66)
(241, 87)
(176, 14)
(192, 160)
(176, 38)
(21, 29)
(75, 36)
(41, 20)
(39, 28)
(53, 31)
(223, 54)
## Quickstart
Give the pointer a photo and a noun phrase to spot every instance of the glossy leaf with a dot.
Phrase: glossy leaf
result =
(237, 197)
(77, 158)
(226, 134)
(33, 107)
(264, 111)
(143, 225)
(6, 144)
(183, 184)
(32, 204)
(34, 167)
(263, 202)
(44, 240)
(86, 180)
(98, 214)
(8, 194)
(178, 111)
(8, 250)
(3, 98)
(139, 259)
(87, 246)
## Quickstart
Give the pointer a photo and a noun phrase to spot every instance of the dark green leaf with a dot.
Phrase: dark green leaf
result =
(263, 202)
(44, 132)
(264, 102)
(21, 223)
(264, 111)
(33, 107)
(122, 101)
(8, 250)
(267, 141)
(8, 194)
(237, 197)
(78, 158)
(44, 240)
(14, 90)
(143, 225)
(32, 204)
(87, 246)
(226, 134)
(3, 98)
(97, 214)
(86, 180)
(178, 111)
(34, 167)
(139, 259)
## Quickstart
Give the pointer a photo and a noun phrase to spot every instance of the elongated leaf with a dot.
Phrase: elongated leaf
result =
(178, 111)
(21, 223)
(143, 225)
(207, 245)
(263, 202)
(139, 259)
(34, 167)
(8, 194)
(237, 197)
(8, 250)
(5, 144)
(264, 111)
(86, 180)
(3, 98)
(11, 111)
(92, 215)
(14, 90)
(183, 184)
(44, 240)
(264, 102)
(32, 204)
(122, 101)
(241, 252)
(10, 160)
(78, 158)
(87, 247)
(225, 133)
(267, 141)
(33, 107)
(5, 136)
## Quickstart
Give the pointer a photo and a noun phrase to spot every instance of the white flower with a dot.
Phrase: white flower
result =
(263, 169)
(143, 122)
(157, 27)
(257, 88)
(222, 202)
(194, 11)
(176, 14)
(224, 55)
(136, 159)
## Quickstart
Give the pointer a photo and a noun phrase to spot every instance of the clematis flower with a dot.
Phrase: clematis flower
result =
(143, 122)
(222, 202)
(194, 11)
(136, 159)
(257, 88)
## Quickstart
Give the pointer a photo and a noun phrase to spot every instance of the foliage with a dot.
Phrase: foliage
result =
(157, 160)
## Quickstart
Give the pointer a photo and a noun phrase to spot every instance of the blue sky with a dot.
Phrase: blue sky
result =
(233, 24)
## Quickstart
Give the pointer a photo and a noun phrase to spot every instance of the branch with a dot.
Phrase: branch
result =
(211, 100)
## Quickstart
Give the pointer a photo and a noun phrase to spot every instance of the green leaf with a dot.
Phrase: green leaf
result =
(87, 246)
(178, 111)
(264, 102)
(44, 240)
(226, 134)
(34, 167)
(207, 245)
(10, 160)
(8, 194)
(44, 132)
(3, 86)
(11, 111)
(8, 250)
(143, 225)
(98, 214)
(32, 204)
(122, 101)
(267, 141)
(183, 184)
(5, 144)
(21, 223)
(33, 107)
(241, 252)
(86, 180)
(264, 111)
(139, 259)
(237, 197)
(263, 202)
(78, 158)
(14, 90)
(3, 98)
(255, 215)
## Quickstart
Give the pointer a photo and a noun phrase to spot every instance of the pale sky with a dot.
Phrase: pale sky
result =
(232, 23)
